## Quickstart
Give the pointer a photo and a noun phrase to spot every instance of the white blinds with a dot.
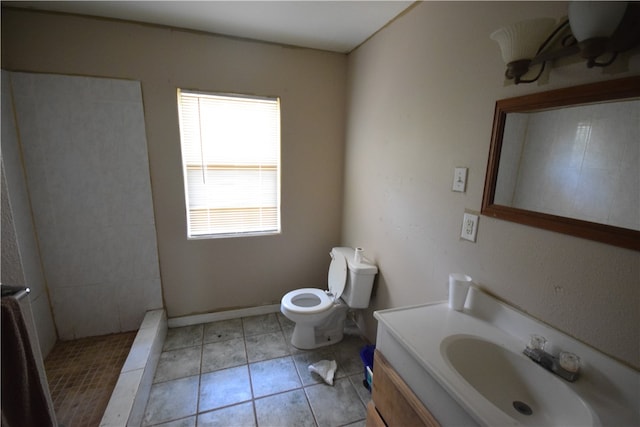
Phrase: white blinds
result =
(231, 161)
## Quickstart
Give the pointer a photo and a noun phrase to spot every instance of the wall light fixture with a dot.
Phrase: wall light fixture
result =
(595, 30)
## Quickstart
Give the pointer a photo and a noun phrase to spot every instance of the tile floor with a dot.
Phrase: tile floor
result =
(245, 372)
(82, 375)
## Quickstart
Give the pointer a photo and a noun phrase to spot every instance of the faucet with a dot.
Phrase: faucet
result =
(566, 365)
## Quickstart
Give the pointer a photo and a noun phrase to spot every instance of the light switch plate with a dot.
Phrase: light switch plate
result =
(460, 179)
(469, 227)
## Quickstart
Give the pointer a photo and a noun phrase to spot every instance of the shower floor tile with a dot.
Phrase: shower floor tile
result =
(82, 375)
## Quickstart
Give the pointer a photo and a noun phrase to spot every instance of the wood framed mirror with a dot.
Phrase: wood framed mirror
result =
(568, 160)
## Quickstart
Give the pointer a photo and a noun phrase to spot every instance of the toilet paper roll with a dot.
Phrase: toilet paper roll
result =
(357, 256)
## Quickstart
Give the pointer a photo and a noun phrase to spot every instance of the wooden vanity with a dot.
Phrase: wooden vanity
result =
(393, 403)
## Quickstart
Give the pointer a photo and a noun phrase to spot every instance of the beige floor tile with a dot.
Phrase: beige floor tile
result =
(172, 400)
(266, 346)
(241, 415)
(180, 363)
(285, 409)
(223, 354)
(223, 388)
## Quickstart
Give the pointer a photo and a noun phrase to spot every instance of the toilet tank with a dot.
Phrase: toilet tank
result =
(357, 290)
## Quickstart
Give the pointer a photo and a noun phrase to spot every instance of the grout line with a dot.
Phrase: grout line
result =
(200, 376)
(313, 413)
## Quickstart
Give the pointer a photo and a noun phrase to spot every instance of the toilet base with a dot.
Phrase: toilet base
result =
(330, 331)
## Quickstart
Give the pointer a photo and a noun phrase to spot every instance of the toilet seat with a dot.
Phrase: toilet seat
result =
(312, 300)
(307, 301)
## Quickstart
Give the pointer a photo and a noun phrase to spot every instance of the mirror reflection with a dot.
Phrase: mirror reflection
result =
(568, 160)
(579, 162)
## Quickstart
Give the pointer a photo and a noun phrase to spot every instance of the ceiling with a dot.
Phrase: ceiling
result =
(338, 26)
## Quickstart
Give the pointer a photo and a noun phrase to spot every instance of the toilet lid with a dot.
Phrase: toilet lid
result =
(337, 275)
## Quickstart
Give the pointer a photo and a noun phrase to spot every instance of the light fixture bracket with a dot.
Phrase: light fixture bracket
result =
(597, 51)
(517, 69)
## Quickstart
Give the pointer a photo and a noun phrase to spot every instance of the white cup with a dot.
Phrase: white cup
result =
(458, 289)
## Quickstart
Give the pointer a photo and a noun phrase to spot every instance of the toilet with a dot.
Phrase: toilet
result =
(319, 314)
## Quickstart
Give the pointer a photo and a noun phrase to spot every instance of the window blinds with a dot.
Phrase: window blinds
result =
(231, 162)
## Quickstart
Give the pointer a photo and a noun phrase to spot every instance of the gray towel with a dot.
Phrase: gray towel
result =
(24, 403)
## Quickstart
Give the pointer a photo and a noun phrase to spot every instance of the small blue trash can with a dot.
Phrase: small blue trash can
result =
(366, 354)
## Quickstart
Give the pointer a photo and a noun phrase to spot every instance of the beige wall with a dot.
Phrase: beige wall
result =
(209, 275)
(420, 102)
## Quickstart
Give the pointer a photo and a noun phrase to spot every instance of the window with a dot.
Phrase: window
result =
(231, 163)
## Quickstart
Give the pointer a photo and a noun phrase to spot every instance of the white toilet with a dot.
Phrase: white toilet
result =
(319, 314)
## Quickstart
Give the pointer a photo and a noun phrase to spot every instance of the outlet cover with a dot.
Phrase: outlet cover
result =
(469, 227)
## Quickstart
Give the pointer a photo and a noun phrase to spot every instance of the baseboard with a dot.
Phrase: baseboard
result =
(196, 319)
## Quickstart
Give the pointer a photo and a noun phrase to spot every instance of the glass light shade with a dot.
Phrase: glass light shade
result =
(522, 39)
(593, 19)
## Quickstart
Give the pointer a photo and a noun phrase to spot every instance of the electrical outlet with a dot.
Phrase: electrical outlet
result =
(469, 227)
(459, 179)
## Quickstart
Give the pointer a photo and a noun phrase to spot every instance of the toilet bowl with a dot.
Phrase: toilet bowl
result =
(319, 315)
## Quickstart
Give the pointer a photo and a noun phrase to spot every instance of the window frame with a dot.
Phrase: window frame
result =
(204, 167)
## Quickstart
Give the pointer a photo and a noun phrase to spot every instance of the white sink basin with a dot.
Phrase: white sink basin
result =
(468, 369)
(513, 383)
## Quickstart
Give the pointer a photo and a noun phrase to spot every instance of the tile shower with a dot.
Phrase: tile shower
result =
(77, 186)
(87, 172)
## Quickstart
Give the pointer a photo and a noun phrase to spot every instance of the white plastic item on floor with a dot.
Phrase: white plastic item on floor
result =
(326, 369)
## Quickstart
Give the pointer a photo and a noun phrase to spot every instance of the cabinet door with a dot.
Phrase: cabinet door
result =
(394, 400)
(373, 417)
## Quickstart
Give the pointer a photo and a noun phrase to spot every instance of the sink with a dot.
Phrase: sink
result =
(467, 368)
(514, 384)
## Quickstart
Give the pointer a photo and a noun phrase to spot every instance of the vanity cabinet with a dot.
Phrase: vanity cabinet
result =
(393, 403)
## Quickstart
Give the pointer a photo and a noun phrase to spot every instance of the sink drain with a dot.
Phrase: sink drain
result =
(522, 407)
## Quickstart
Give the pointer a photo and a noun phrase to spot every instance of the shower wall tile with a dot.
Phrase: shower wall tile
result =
(134, 295)
(85, 311)
(583, 164)
(595, 193)
(87, 169)
(18, 196)
(45, 325)
(514, 130)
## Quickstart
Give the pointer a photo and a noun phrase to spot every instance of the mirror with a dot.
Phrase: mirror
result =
(568, 160)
